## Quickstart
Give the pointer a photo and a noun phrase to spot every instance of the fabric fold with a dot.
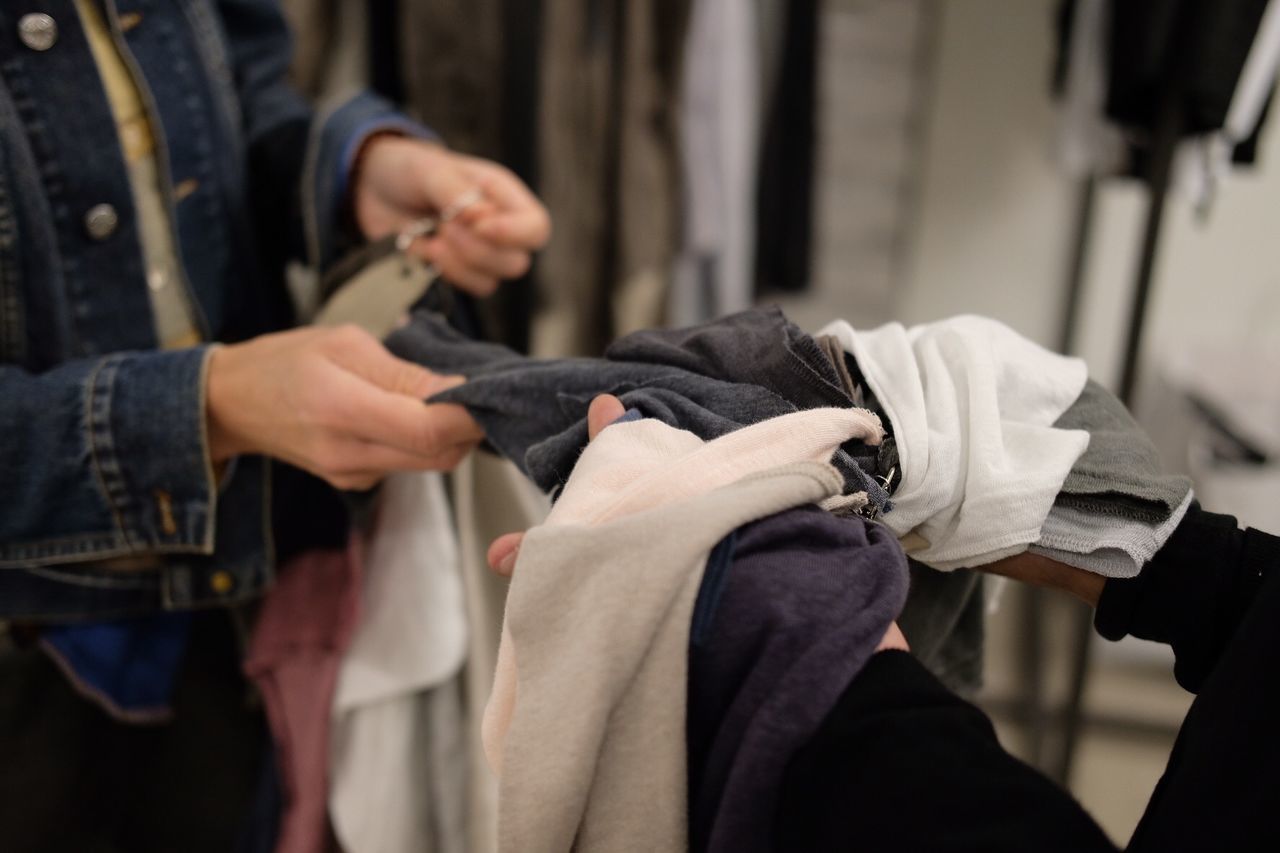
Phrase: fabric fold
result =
(397, 733)
(972, 407)
(710, 379)
(587, 720)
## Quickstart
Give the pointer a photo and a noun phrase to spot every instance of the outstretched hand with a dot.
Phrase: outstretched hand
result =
(334, 402)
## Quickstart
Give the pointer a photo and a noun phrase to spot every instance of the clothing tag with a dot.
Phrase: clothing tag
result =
(377, 296)
(376, 286)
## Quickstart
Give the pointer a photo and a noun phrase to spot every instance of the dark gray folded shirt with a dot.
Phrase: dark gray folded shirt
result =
(709, 380)
(1119, 473)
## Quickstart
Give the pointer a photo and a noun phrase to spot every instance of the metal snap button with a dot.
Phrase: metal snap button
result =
(38, 31)
(222, 582)
(101, 221)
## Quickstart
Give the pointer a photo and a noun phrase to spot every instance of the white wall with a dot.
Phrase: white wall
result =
(990, 236)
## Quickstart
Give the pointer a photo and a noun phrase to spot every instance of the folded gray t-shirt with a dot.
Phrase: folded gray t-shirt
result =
(1119, 474)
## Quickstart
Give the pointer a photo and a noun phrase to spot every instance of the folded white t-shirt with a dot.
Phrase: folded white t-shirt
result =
(972, 405)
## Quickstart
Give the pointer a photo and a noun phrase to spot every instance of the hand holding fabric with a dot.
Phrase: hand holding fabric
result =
(333, 402)
(398, 180)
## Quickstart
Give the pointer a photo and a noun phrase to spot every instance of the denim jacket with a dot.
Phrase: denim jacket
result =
(103, 452)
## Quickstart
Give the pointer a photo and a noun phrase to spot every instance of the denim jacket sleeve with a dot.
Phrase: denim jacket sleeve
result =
(105, 457)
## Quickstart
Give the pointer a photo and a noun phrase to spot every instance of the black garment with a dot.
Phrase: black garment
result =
(73, 779)
(902, 764)
(710, 380)
(781, 625)
(784, 192)
(1197, 47)
(1192, 595)
(385, 76)
(1220, 610)
(945, 624)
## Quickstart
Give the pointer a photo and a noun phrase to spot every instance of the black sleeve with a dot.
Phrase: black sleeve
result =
(1193, 594)
(275, 176)
(904, 764)
(1221, 789)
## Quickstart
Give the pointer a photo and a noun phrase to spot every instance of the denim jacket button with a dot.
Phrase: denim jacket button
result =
(38, 31)
(101, 221)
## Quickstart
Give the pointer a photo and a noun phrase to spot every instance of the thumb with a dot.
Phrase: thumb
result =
(603, 411)
(366, 357)
(502, 553)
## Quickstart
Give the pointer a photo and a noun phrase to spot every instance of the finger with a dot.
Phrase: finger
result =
(522, 220)
(369, 413)
(454, 268)
(503, 552)
(893, 639)
(364, 457)
(603, 411)
(527, 229)
(359, 352)
(489, 258)
(361, 481)
(500, 184)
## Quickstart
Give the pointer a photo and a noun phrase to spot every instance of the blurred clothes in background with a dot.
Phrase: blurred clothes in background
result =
(663, 136)
(1126, 73)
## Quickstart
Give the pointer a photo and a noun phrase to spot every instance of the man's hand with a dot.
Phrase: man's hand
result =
(333, 402)
(399, 180)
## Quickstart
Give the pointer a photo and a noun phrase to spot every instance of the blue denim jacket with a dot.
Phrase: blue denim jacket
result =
(102, 436)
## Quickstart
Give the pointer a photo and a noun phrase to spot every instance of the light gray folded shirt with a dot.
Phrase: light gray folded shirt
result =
(1117, 507)
(1108, 545)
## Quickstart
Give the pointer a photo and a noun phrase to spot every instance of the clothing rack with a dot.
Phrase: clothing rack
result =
(1164, 143)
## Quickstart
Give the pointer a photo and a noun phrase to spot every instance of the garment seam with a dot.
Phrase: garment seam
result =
(71, 550)
(90, 403)
(210, 42)
(12, 330)
(208, 541)
(139, 581)
(51, 179)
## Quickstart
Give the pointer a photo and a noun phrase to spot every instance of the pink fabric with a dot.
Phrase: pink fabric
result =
(303, 630)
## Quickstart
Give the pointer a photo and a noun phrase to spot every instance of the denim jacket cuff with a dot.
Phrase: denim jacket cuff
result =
(336, 136)
(149, 445)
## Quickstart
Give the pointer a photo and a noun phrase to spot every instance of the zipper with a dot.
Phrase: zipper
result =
(198, 317)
